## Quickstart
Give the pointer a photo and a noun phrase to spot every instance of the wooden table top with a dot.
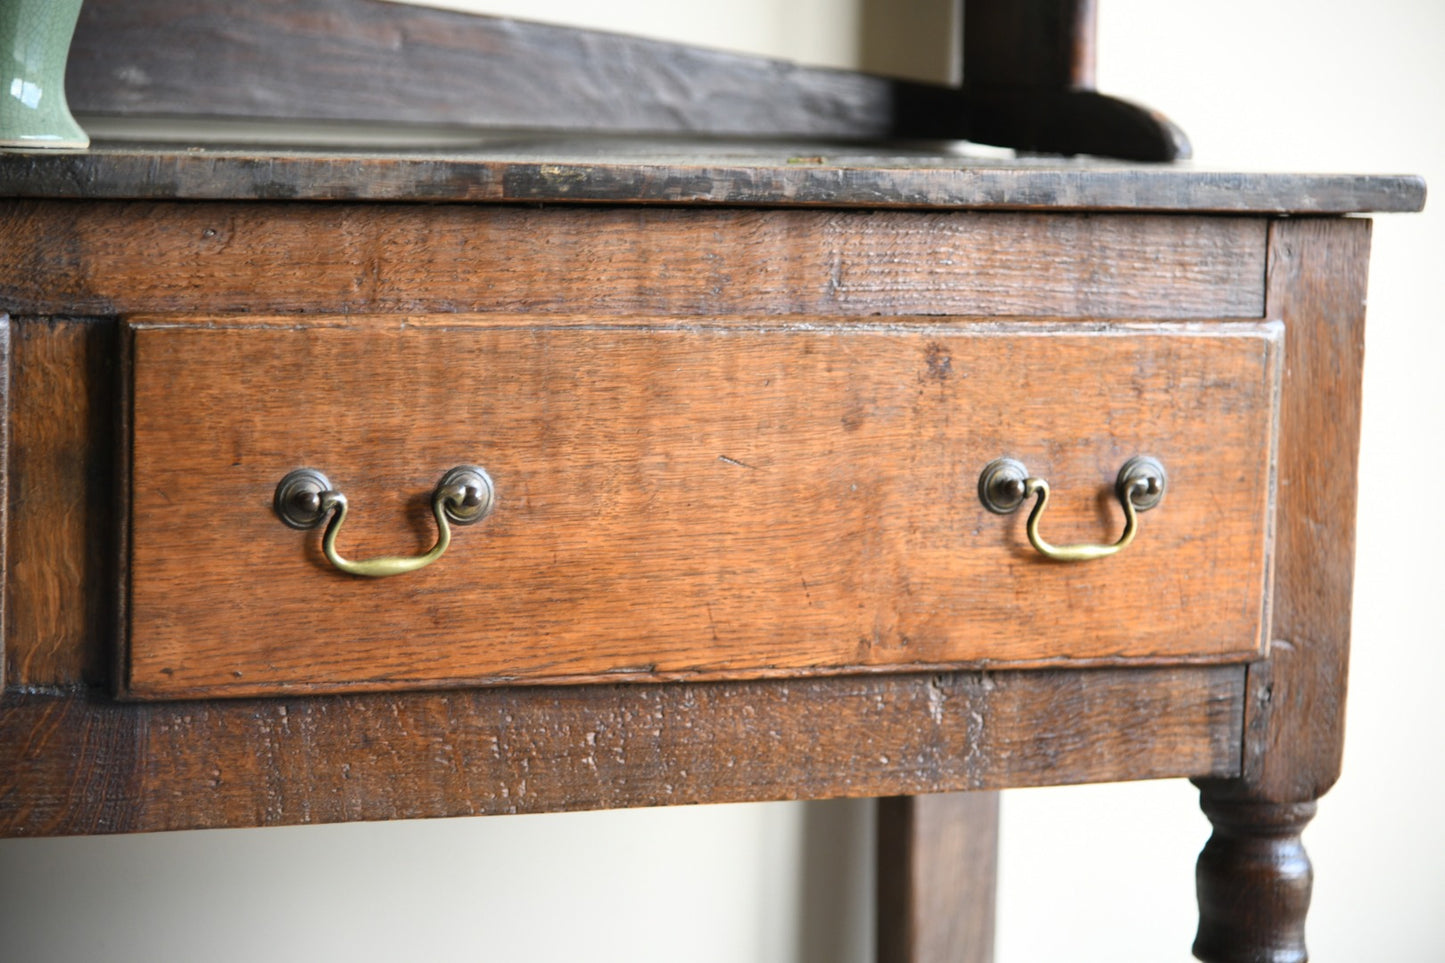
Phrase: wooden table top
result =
(230, 160)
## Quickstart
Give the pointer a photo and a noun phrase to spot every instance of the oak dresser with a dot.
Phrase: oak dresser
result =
(471, 472)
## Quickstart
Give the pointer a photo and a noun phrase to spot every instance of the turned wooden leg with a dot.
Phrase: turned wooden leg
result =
(1253, 879)
(937, 864)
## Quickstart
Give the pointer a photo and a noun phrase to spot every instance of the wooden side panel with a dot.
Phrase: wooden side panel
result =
(63, 549)
(1254, 877)
(5, 353)
(937, 875)
(1317, 278)
(130, 257)
(87, 765)
(687, 501)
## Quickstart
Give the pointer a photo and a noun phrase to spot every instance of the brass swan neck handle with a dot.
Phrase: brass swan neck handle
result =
(305, 497)
(1005, 485)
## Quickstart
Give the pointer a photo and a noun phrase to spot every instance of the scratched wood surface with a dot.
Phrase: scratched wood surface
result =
(84, 764)
(1317, 288)
(246, 160)
(687, 500)
(335, 258)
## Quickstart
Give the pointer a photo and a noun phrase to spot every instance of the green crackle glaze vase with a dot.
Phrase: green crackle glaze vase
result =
(34, 44)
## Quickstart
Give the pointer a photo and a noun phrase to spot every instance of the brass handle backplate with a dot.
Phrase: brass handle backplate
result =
(1006, 484)
(305, 497)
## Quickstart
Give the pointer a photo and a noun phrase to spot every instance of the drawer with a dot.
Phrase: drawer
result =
(686, 500)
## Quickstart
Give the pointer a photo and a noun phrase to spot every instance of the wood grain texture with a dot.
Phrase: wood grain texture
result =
(1317, 283)
(5, 470)
(109, 258)
(1254, 877)
(79, 764)
(937, 871)
(172, 159)
(119, 258)
(693, 500)
(63, 505)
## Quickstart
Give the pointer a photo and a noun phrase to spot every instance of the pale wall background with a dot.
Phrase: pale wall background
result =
(1089, 874)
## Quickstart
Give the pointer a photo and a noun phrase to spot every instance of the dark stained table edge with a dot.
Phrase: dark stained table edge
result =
(77, 762)
(534, 168)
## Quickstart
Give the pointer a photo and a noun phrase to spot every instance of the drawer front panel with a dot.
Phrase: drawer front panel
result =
(719, 500)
